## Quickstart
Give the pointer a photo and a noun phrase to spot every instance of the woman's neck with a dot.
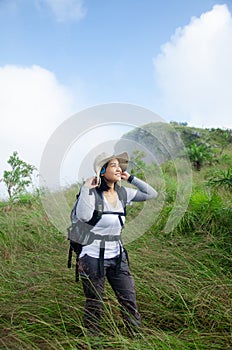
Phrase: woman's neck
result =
(111, 186)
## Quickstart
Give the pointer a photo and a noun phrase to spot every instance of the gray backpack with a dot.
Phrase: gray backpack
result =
(80, 234)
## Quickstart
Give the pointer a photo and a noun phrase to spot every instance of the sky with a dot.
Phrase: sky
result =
(59, 57)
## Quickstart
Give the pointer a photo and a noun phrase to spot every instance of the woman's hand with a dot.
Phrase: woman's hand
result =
(125, 175)
(91, 182)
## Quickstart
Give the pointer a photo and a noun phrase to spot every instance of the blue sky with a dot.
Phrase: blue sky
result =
(107, 53)
(59, 57)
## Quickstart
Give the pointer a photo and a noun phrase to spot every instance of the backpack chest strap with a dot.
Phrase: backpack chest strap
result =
(119, 214)
(107, 238)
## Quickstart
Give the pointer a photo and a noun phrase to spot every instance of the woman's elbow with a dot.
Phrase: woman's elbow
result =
(84, 217)
(154, 194)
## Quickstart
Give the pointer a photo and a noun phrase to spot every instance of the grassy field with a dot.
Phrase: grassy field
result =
(183, 281)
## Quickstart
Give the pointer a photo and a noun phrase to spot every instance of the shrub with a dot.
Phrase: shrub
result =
(221, 178)
(200, 154)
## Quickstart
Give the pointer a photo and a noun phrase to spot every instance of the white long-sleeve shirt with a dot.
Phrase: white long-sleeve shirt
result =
(109, 224)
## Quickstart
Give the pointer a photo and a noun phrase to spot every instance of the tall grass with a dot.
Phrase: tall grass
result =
(183, 281)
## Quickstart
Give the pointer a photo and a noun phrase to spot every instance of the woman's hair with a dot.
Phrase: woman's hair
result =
(103, 184)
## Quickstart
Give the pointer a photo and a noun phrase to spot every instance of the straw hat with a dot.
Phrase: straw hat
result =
(104, 158)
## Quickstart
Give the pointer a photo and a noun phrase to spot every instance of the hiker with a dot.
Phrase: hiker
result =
(106, 257)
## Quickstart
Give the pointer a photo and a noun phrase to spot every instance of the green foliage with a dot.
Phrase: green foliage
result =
(184, 276)
(199, 154)
(169, 168)
(222, 137)
(208, 215)
(171, 187)
(202, 214)
(226, 160)
(19, 177)
(138, 164)
(174, 123)
(221, 178)
(183, 279)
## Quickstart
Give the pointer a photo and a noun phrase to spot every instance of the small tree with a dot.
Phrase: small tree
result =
(199, 154)
(19, 178)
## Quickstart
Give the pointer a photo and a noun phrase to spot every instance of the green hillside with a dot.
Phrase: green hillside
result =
(164, 139)
(183, 277)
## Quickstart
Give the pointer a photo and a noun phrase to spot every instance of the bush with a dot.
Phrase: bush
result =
(221, 178)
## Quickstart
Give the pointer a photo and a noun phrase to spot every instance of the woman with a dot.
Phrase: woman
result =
(112, 258)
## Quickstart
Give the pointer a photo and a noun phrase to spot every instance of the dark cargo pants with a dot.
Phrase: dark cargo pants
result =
(122, 284)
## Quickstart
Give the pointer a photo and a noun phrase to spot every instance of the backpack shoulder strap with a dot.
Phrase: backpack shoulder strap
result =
(73, 212)
(99, 203)
(122, 195)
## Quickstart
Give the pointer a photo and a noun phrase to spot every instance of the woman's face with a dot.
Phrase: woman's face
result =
(113, 171)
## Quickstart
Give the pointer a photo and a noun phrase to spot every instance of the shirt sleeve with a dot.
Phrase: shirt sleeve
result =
(143, 192)
(86, 204)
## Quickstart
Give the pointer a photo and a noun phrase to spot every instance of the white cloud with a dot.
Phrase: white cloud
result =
(194, 71)
(32, 104)
(66, 10)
